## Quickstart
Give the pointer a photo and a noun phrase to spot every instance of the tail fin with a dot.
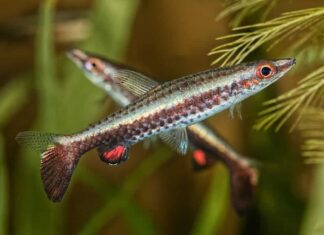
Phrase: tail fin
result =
(244, 179)
(57, 161)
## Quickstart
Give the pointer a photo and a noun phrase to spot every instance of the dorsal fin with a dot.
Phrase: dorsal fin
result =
(177, 139)
(134, 82)
(113, 156)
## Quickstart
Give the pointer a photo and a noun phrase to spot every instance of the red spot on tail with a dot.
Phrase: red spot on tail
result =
(200, 157)
(115, 156)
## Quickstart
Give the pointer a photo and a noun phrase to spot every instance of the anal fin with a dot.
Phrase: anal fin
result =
(113, 156)
(177, 139)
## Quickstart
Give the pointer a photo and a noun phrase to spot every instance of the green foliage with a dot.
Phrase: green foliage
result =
(117, 202)
(4, 197)
(42, 215)
(313, 219)
(45, 80)
(212, 212)
(309, 53)
(303, 23)
(312, 129)
(241, 9)
(137, 219)
(12, 97)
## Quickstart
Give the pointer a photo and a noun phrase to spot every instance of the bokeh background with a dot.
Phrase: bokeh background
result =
(155, 191)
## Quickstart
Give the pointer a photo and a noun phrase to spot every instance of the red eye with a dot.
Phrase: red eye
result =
(265, 71)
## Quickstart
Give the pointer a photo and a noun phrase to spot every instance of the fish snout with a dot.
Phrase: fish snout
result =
(284, 65)
(77, 56)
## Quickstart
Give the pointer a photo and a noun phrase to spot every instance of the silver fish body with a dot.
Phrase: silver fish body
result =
(180, 103)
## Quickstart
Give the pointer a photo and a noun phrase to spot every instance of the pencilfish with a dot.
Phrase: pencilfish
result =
(166, 110)
(206, 145)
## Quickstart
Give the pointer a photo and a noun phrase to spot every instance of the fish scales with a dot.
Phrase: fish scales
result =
(141, 120)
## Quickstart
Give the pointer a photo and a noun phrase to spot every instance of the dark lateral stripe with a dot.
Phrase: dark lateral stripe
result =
(185, 112)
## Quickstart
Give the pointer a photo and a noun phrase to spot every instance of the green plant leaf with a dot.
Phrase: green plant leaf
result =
(313, 223)
(4, 190)
(127, 190)
(213, 208)
(312, 131)
(289, 25)
(12, 97)
(241, 9)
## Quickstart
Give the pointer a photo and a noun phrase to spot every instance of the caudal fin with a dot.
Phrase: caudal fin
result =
(57, 161)
(244, 179)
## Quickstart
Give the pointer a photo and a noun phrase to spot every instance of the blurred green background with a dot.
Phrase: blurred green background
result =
(155, 191)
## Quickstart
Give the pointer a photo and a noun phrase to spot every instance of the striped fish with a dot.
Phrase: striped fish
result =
(165, 110)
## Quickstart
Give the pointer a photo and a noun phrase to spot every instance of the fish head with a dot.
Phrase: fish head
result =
(258, 75)
(98, 70)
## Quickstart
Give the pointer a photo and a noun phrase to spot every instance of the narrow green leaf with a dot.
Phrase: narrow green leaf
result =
(43, 216)
(115, 203)
(139, 222)
(12, 97)
(4, 197)
(45, 81)
(313, 223)
(213, 209)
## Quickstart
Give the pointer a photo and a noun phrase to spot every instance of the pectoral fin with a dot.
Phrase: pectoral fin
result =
(235, 108)
(177, 139)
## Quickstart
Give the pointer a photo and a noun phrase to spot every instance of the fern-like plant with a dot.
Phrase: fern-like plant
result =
(241, 9)
(295, 25)
(312, 129)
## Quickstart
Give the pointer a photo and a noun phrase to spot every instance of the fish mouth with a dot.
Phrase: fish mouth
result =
(284, 65)
(77, 56)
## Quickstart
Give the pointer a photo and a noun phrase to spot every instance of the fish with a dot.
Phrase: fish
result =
(207, 146)
(165, 110)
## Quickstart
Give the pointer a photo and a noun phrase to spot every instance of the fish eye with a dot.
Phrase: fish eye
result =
(265, 71)
(94, 65)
